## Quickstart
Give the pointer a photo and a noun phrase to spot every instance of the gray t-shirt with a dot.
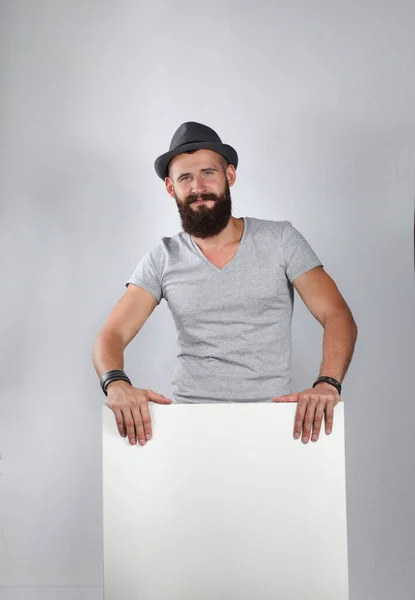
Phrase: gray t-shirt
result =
(233, 324)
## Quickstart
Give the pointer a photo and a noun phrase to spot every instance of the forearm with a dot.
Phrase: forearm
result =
(108, 353)
(340, 334)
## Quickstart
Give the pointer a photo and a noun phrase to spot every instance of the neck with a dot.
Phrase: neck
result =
(230, 235)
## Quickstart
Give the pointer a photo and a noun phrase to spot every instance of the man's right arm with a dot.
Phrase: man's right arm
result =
(124, 322)
(129, 404)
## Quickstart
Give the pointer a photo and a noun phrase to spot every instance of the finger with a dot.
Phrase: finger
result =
(119, 421)
(318, 417)
(159, 398)
(309, 418)
(286, 398)
(138, 422)
(329, 416)
(129, 424)
(299, 418)
(146, 417)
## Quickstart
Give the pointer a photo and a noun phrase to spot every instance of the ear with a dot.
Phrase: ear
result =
(169, 186)
(230, 175)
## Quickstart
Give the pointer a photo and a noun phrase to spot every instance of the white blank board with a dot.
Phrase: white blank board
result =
(224, 504)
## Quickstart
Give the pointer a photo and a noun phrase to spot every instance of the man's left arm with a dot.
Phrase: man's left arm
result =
(323, 299)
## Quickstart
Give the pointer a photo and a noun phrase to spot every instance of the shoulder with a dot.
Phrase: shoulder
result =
(261, 225)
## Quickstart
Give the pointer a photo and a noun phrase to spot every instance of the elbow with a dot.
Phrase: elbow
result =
(343, 314)
(353, 327)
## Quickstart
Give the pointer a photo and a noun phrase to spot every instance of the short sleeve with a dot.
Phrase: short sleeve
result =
(147, 273)
(298, 255)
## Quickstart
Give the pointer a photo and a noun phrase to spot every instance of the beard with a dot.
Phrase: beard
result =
(205, 221)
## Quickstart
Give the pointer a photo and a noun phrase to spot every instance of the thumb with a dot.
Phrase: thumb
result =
(159, 398)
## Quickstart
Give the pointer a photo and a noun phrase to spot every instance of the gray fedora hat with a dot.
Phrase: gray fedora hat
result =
(194, 136)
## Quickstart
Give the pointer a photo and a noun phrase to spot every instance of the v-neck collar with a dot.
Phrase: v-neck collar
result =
(214, 267)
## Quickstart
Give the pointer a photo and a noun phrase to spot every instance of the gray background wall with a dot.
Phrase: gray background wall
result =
(318, 98)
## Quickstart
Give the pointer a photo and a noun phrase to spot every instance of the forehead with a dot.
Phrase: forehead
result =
(193, 162)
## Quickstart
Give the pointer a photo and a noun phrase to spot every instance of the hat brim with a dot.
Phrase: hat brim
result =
(161, 163)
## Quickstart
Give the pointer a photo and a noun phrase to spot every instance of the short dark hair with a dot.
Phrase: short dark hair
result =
(223, 160)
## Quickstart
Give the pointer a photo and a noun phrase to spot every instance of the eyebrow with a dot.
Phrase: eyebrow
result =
(205, 169)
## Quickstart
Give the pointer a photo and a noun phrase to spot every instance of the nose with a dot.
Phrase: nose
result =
(197, 185)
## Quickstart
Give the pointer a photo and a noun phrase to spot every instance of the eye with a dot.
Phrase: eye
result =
(208, 171)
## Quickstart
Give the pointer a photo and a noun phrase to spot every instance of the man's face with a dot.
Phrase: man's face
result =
(196, 177)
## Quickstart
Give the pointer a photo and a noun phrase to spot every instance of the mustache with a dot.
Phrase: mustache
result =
(193, 197)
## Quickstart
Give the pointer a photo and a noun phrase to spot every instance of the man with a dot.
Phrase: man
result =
(229, 284)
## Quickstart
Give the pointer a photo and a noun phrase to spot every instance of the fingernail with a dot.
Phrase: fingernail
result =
(148, 436)
(314, 438)
(132, 441)
(296, 436)
(305, 440)
(328, 431)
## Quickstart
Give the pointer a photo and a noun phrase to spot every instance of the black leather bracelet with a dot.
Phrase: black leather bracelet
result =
(330, 380)
(113, 375)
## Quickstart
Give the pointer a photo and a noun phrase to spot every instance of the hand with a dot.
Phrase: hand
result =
(130, 407)
(312, 404)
